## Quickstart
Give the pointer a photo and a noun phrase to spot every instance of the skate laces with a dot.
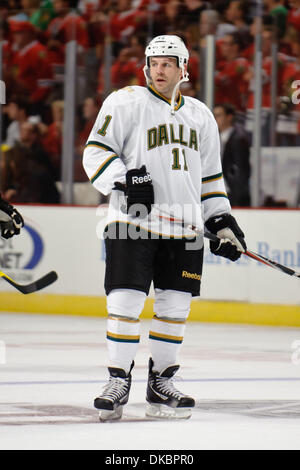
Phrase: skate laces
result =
(115, 388)
(166, 385)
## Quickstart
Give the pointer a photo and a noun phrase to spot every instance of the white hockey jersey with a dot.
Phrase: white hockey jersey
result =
(181, 152)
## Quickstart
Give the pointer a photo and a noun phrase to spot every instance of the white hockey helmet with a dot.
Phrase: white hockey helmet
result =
(168, 46)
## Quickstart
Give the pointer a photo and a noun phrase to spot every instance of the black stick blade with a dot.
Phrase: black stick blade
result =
(34, 286)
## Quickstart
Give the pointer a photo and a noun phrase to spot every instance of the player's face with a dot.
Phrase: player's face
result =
(164, 74)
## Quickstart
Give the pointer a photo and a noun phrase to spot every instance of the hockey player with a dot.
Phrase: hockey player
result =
(152, 148)
(11, 220)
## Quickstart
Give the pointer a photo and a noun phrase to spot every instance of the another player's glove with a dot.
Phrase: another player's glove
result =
(232, 239)
(11, 220)
(139, 191)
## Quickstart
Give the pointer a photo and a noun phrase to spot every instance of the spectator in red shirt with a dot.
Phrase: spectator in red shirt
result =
(67, 25)
(230, 82)
(126, 20)
(128, 67)
(31, 72)
(293, 17)
(130, 64)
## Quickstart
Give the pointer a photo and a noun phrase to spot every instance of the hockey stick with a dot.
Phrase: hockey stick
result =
(259, 258)
(34, 286)
(250, 254)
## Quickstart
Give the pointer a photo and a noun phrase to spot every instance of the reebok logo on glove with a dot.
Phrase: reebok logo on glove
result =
(138, 190)
(141, 179)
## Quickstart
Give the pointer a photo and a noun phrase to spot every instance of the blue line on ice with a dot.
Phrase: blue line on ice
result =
(234, 379)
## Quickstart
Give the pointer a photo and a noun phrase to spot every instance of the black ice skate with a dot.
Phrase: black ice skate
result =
(164, 400)
(115, 394)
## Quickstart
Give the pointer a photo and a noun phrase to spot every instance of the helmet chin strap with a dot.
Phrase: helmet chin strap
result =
(147, 75)
(185, 78)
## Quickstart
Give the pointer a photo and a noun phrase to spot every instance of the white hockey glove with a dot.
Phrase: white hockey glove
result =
(11, 220)
(232, 240)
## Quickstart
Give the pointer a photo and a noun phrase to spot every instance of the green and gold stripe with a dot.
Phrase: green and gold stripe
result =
(167, 320)
(166, 338)
(103, 167)
(166, 100)
(122, 338)
(206, 196)
(210, 179)
(100, 145)
(128, 320)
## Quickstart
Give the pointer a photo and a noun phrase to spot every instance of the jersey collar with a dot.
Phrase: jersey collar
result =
(154, 92)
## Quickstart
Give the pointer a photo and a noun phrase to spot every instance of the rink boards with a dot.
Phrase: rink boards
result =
(68, 240)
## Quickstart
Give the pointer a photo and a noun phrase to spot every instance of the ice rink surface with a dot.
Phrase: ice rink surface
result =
(246, 386)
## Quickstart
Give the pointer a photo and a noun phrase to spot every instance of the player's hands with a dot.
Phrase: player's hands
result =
(139, 192)
(11, 220)
(232, 239)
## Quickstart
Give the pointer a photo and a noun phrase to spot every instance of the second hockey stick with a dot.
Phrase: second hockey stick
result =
(33, 286)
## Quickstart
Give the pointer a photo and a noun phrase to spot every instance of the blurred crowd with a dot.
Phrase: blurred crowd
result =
(111, 36)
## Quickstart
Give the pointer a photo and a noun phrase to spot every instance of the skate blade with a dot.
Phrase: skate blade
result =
(111, 415)
(167, 412)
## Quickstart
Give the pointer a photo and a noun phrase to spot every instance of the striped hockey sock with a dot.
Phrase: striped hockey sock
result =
(123, 336)
(166, 337)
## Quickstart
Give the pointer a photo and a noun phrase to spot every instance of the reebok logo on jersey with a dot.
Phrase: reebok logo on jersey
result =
(191, 275)
(141, 179)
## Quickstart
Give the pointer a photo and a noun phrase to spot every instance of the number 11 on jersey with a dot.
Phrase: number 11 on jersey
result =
(176, 165)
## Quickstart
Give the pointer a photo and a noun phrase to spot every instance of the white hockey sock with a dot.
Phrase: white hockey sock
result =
(167, 327)
(123, 336)
(123, 327)
(165, 338)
